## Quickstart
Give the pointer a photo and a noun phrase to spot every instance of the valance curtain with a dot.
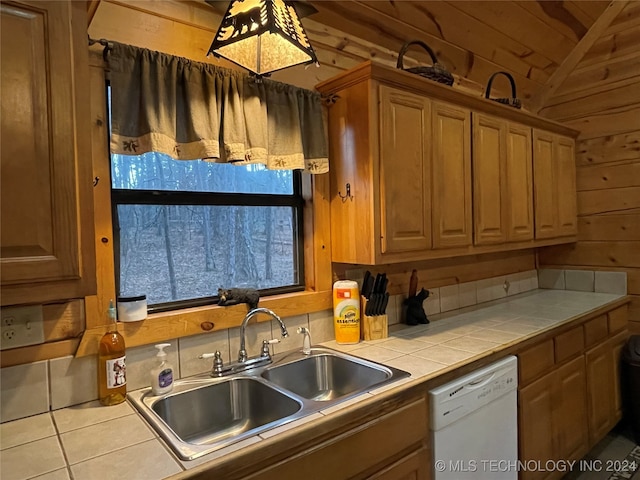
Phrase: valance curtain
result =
(190, 110)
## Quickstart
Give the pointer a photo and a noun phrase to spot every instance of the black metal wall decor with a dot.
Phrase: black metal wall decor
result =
(262, 36)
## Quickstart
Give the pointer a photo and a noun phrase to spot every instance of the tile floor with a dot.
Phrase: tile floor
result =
(618, 448)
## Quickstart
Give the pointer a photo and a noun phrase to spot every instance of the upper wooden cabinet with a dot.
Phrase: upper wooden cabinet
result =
(47, 246)
(404, 185)
(555, 185)
(502, 181)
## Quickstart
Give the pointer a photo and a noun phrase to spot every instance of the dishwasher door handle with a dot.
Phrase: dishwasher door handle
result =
(481, 382)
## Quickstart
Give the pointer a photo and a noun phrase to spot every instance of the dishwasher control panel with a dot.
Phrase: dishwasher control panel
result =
(466, 394)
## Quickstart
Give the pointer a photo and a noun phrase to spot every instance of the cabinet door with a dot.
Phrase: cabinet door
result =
(571, 411)
(617, 344)
(451, 138)
(600, 390)
(47, 247)
(405, 171)
(536, 424)
(489, 182)
(414, 466)
(545, 191)
(519, 184)
(565, 164)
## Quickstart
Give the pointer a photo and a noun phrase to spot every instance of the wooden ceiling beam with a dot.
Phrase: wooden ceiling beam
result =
(92, 8)
(544, 94)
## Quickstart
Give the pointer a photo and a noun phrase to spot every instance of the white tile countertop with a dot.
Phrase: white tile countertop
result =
(89, 441)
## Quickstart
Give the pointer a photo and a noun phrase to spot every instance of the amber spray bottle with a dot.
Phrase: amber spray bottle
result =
(112, 382)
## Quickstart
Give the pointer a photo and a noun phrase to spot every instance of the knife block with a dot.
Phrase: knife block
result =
(372, 327)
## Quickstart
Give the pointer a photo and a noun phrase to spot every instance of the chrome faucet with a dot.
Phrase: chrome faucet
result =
(242, 354)
(244, 363)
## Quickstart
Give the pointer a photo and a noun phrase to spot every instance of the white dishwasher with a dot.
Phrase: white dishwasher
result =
(474, 423)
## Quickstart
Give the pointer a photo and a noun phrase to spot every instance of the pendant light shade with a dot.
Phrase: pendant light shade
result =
(262, 36)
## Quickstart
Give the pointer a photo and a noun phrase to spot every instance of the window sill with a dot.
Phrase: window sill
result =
(159, 327)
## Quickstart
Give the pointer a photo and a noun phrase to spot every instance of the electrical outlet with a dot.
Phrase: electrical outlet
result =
(21, 326)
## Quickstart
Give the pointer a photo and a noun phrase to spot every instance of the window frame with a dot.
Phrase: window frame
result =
(192, 198)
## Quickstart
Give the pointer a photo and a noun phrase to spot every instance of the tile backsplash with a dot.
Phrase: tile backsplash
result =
(583, 280)
(54, 384)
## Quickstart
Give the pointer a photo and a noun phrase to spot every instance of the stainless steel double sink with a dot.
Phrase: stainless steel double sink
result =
(204, 414)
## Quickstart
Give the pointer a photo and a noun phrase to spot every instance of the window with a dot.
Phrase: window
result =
(183, 229)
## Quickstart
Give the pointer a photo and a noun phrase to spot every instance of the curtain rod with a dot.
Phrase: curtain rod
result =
(105, 43)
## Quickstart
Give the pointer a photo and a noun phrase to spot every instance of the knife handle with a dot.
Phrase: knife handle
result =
(413, 284)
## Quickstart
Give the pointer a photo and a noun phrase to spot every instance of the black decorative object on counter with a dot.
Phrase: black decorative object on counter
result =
(513, 101)
(234, 296)
(437, 72)
(415, 312)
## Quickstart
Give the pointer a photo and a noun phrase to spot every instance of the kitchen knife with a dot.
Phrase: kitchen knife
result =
(367, 287)
(376, 284)
(385, 302)
(365, 281)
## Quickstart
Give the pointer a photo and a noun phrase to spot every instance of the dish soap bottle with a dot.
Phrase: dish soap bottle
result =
(112, 380)
(162, 375)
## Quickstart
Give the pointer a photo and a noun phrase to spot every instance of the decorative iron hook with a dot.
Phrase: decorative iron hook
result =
(95, 181)
(347, 195)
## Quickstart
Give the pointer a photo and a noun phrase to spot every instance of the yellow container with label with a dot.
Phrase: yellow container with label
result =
(346, 311)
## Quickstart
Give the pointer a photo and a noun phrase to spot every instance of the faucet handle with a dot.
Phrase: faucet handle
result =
(218, 364)
(265, 346)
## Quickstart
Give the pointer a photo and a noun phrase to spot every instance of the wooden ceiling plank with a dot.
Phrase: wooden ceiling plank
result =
(444, 21)
(390, 33)
(600, 74)
(520, 25)
(559, 17)
(591, 90)
(592, 8)
(572, 60)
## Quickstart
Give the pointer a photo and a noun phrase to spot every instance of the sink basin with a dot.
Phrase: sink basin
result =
(203, 414)
(218, 413)
(327, 376)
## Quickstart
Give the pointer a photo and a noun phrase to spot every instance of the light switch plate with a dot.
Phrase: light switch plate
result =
(21, 326)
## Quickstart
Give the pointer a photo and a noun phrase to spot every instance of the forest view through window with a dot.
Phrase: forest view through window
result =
(183, 229)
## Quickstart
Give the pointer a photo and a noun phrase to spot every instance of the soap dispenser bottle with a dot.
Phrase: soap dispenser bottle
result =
(162, 374)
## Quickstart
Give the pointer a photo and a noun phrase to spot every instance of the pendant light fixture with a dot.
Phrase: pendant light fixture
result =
(262, 36)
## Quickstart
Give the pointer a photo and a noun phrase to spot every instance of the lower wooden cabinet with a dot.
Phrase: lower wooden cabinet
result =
(390, 447)
(551, 418)
(603, 386)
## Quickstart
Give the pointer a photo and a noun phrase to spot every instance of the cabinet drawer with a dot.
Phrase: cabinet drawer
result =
(595, 330)
(569, 344)
(535, 360)
(617, 319)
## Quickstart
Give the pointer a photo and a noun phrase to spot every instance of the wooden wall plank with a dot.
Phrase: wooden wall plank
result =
(592, 8)
(608, 176)
(603, 254)
(614, 148)
(602, 201)
(600, 74)
(612, 46)
(611, 122)
(36, 353)
(63, 320)
(594, 100)
(609, 227)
